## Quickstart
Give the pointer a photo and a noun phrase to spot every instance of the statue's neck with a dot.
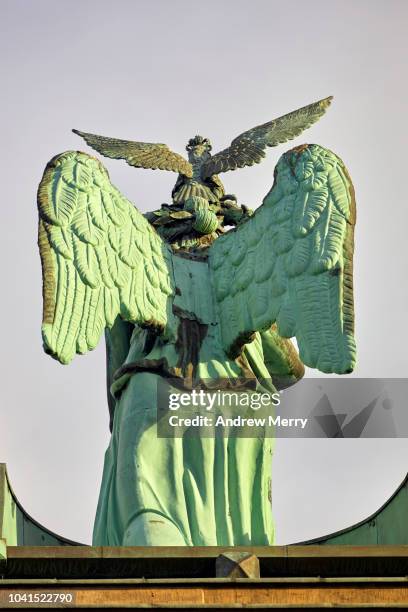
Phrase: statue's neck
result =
(196, 170)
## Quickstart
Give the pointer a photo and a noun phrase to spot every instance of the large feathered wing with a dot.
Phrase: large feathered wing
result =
(249, 148)
(292, 263)
(100, 258)
(154, 156)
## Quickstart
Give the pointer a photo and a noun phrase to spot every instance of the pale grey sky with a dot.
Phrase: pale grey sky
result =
(164, 71)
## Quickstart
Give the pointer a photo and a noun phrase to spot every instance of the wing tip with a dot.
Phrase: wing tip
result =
(325, 102)
(51, 350)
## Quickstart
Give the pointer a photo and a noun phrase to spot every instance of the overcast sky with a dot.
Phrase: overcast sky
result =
(161, 72)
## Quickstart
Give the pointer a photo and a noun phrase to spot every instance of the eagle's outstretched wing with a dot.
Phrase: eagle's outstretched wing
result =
(153, 156)
(292, 263)
(249, 148)
(100, 258)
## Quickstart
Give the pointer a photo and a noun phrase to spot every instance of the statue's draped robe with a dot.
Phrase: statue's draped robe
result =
(191, 490)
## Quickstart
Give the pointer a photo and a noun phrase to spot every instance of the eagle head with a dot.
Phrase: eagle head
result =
(198, 149)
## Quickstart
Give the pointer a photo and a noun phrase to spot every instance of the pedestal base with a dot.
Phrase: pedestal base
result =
(184, 578)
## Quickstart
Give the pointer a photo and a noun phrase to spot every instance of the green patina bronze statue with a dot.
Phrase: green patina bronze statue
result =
(201, 291)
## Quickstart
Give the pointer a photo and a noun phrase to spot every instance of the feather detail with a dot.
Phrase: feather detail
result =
(100, 258)
(249, 148)
(299, 271)
(139, 154)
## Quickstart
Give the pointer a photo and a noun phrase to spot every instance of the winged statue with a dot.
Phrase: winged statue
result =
(202, 289)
